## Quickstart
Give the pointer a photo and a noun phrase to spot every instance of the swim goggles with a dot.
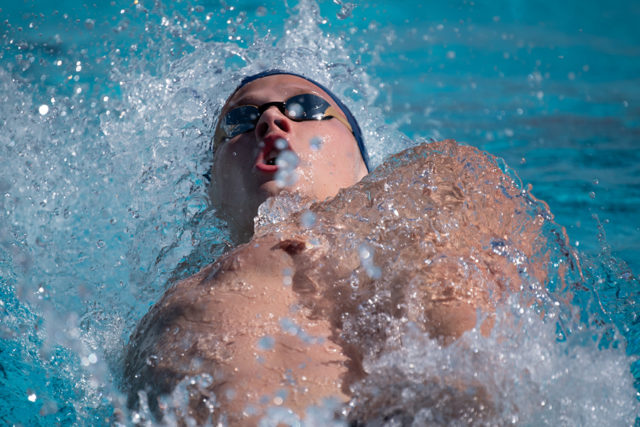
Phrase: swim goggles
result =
(299, 108)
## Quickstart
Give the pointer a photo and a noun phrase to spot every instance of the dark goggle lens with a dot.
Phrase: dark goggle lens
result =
(306, 107)
(240, 120)
(298, 108)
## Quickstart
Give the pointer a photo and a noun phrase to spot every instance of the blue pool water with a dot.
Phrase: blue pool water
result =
(105, 115)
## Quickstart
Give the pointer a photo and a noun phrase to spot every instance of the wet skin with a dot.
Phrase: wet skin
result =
(240, 180)
(423, 212)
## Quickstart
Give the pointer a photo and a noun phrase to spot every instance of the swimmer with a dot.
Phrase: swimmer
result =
(287, 318)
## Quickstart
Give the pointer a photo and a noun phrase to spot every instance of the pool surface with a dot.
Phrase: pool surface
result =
(106, 114)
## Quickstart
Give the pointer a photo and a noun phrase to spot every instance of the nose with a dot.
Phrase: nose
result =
(272, 120)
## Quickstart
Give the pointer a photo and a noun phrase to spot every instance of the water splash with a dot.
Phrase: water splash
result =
(104, 205)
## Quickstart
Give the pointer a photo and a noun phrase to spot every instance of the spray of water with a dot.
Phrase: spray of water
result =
(103, 205)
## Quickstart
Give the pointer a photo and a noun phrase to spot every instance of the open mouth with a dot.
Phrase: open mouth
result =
(271, 158)
(268, 156)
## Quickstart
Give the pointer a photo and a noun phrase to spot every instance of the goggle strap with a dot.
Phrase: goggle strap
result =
(334, 112)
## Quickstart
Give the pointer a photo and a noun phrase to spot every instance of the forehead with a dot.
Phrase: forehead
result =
(274, 88)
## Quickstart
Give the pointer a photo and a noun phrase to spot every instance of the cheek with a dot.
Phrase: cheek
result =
(228, 169)
(334, 163)
(330, 141)
(237, 155)
(340, 151)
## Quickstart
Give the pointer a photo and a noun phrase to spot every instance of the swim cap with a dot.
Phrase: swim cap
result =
(357, 133)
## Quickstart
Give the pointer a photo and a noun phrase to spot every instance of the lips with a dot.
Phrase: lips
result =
(266, 161)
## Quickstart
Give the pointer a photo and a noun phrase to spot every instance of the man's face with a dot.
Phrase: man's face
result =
(244, 174)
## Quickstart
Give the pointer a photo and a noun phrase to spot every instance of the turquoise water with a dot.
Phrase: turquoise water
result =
(106, 114)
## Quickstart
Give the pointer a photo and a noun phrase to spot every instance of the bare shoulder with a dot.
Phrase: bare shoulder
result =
(433, 234)
(183, 333)
(437, 233)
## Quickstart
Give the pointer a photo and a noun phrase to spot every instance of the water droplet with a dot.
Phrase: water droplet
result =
(289, 326)
(266, 343)
(287, 278)
(592, 194)
(451, 54)
(89, 24)
(308, 218)
(287, 162)
(31, 396)
(316, 143)
(345, 11)
(294, 110)
(365, 251)
(152, 360)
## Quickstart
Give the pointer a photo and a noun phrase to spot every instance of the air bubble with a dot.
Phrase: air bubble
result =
(43, 109)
